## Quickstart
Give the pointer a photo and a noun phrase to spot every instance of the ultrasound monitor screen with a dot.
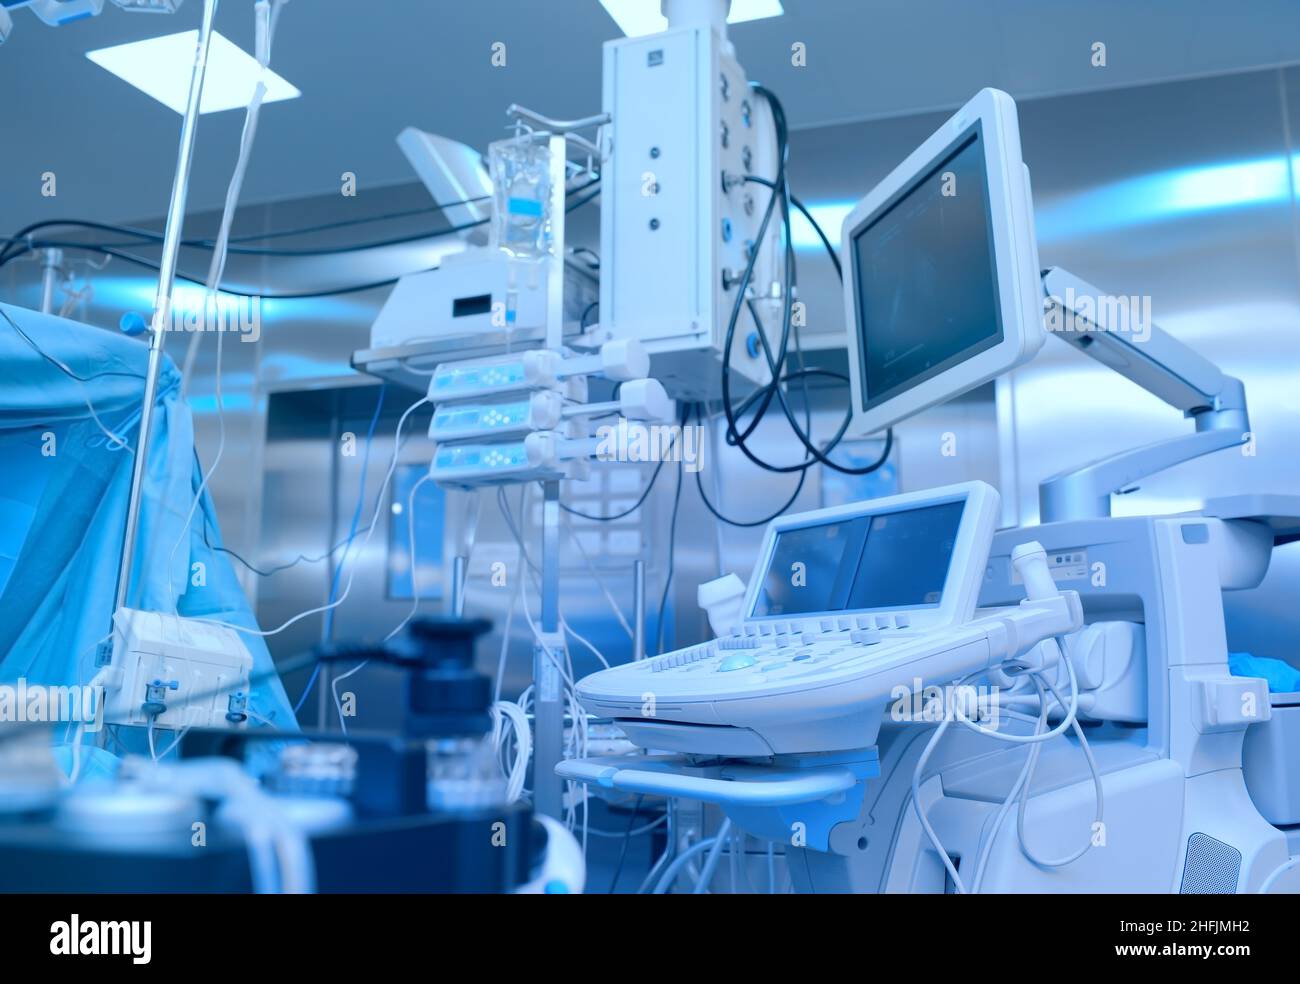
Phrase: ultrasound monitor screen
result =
(890, 560)
(906, 558)
(807, 568)
(926, 279)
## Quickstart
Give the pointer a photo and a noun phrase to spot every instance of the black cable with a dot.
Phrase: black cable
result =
(672, 547)
(582, 321)
(149, 235)
(627, 838)
(115, 250)
(743, 285)
(780, 190)
(803, 477)
(344, 223)
(594, 257)
(654, 476)
(791, 377)
(803, 472)
(804, 434)
(734, 435)
(333, 292)
(830, 250)
(150, 265)
(300, 559)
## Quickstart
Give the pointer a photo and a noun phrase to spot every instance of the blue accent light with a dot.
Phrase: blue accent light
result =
(1167, 195)
(1142, 200)
(829, 215)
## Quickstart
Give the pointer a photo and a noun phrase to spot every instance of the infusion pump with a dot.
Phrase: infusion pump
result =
(845, 606)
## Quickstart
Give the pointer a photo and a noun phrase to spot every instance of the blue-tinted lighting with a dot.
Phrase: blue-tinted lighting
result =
(1143, 200)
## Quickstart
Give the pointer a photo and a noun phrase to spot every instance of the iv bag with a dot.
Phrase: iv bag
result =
(521, 180)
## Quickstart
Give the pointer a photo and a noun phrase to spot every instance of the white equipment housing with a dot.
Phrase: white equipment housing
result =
(676, 216)
(478, 300)
(969, 331)
(820, 678)
(453, 172)
(1171, 725)
(198, 670)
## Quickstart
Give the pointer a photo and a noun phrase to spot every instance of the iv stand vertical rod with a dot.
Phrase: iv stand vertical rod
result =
(163, 301)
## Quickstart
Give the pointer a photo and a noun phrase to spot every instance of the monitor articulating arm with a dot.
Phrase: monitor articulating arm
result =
(1112, 332)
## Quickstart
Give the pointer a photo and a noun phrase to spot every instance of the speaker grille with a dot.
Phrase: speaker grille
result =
(1211, 867)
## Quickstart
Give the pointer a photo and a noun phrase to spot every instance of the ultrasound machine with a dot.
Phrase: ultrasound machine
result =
(916, 701)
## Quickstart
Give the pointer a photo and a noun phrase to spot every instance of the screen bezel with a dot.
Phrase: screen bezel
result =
(960, 586)
(1014, 263)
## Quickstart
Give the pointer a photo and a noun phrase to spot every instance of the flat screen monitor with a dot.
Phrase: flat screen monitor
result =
(889, 560)
(915, 559)
(942, 289)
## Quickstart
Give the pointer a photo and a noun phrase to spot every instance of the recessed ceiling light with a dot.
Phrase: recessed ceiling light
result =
(637, 17)
(161, 67)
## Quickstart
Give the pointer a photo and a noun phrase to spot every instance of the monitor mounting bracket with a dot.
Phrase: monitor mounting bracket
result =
(1109, 330)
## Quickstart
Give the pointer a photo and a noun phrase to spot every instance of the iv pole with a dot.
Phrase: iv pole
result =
(549, 650)
(162, 304)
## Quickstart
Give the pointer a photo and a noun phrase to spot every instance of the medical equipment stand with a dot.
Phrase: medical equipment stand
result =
(548, 684)
(51, 264)
(163, 302)
(1161, 365)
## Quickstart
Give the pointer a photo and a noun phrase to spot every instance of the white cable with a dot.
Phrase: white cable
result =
(280, 857)
(921, 814)
(637, 832)
(681, 861)
(1024, 792)
(711, 864)
(334, 688)
(505, 639)
(113, 437)
(594, 651)
(613, 605)
(1020, 790)
(503, 711)
(77, 737)
(1060, 729)
(215, 272)
(576, 743)
(410, 542)
(63, 367)
(537, 635)
(952, 712)
(79, 734)
(982, 861)
(182, 732)
(374, 521)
